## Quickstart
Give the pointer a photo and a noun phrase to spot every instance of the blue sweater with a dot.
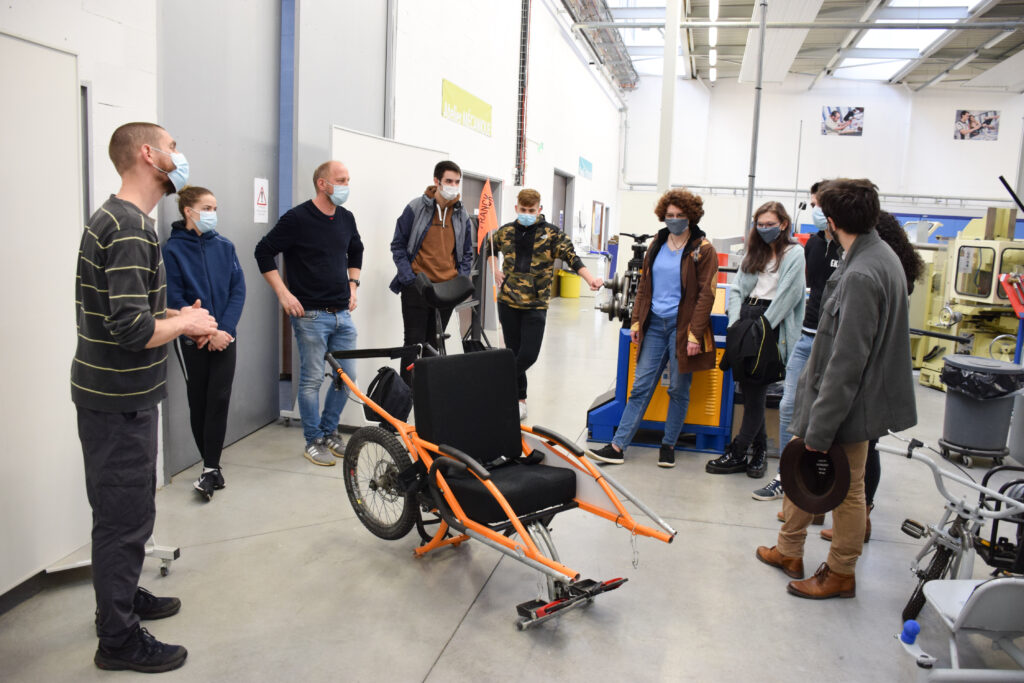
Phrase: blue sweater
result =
(205, 268)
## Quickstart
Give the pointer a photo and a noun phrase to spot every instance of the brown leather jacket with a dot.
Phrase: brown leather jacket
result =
(697, 271)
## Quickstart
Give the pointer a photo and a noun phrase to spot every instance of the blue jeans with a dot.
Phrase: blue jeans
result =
(316, 332)
(794, 366)
(657, 349)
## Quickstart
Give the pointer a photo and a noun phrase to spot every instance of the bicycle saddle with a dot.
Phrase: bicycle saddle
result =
(443, 294)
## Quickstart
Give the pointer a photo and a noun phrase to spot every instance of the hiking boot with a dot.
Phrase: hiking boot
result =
(207, 482)
(609, 455)
(793, 567)
(316, 452)
(335, 445)
(772, 491)
(732, 461)
(824, 584)
(142, 653)
(758, 460)
(148, 606)
(667, 456)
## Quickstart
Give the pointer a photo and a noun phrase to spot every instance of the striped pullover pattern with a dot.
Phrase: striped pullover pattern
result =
(120, 291)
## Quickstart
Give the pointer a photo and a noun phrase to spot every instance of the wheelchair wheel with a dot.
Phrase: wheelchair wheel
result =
(373, 459)
(937, 568)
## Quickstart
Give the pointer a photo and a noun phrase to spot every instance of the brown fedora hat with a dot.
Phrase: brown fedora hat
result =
(815, 482)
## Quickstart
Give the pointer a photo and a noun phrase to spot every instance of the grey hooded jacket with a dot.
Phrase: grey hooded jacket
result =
(858, 381)
(411, 228)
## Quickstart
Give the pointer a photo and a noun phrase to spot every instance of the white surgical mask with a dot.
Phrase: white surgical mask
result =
(207, 221)
(449, 192)
(340, 195)
(178, 176)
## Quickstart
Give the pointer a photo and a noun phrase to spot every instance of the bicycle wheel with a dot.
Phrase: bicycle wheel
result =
(937, 568)
(373, 459)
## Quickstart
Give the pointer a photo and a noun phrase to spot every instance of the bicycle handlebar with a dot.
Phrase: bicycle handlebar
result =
(1013, 507)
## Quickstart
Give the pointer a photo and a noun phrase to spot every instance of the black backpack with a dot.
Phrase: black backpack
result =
(389, 392)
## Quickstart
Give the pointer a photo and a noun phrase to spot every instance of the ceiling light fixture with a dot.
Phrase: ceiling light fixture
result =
(713, 36)
(712, 57)
(713, 10)
(712, 74)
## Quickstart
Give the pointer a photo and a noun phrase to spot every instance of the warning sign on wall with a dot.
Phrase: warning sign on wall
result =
(261, 197)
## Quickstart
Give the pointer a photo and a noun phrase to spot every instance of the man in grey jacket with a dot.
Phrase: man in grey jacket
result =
(433, 237)
(857, 383)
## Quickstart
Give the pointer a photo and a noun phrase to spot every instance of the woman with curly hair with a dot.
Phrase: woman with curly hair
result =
(893, 234)
(671, 322)
(770, 284)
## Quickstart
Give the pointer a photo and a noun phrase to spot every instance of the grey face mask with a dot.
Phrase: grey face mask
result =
(770, 234)
(677, 226)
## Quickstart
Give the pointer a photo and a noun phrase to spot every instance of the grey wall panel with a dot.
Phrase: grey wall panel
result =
(218, 84)
(341, 51)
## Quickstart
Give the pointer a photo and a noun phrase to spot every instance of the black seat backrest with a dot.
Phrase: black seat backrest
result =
(469, 401)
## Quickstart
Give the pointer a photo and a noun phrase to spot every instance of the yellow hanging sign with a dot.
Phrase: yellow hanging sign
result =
(464, 108)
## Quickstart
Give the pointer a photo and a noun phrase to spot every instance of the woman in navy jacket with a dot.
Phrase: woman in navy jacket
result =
(202, 265)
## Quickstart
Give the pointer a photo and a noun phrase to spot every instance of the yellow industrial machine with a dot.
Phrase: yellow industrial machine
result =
(963, 297)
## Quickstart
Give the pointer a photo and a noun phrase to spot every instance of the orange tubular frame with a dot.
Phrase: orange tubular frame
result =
(425, 452)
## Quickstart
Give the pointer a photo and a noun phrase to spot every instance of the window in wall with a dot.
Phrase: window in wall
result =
(974, 269)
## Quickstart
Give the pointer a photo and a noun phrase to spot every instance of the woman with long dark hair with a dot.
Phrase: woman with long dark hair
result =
(202, 264)
(770, 284)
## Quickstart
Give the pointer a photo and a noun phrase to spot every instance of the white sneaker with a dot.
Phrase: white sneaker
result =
(522, 411)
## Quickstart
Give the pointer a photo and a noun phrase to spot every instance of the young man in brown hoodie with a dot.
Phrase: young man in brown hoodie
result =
(433, 236)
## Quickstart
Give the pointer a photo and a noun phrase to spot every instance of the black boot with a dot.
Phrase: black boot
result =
(733, 460)
(758, 459)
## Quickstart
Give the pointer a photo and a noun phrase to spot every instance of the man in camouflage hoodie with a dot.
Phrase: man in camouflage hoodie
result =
(530, 246)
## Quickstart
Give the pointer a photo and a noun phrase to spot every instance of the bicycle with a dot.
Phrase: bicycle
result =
(955, 539)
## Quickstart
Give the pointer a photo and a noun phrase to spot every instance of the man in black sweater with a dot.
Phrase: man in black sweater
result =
(323, 256)
(821, 254)
(118, 377)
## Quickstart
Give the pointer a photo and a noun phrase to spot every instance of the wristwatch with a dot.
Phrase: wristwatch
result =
(355, 281)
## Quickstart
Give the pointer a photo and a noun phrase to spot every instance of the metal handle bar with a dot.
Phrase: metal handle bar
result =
(1013, 507)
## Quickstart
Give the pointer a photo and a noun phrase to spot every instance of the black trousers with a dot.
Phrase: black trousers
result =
(119, 450)
(752, 429)
(208, 375)
(420, 325)
(523, 329)
(872, 473)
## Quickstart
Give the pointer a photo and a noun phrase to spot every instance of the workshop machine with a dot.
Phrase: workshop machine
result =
(966, 310)
(710, 413)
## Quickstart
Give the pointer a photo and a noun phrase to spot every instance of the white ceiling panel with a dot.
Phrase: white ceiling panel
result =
(780, 45)
(1008, 73)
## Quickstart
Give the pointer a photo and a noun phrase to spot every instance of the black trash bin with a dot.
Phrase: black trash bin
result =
(979, 401)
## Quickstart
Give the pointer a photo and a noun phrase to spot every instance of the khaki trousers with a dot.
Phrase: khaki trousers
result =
(848, 520)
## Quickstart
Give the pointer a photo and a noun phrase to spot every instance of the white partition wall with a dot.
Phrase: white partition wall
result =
(44, 514)
(386, 175)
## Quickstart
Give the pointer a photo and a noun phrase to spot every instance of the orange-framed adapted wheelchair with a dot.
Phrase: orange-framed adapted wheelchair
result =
(468, 468)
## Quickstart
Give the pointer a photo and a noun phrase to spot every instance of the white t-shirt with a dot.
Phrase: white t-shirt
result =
(768, 280)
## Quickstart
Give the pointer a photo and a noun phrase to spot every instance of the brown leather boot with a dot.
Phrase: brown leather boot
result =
(792, 567)
(827, 533)
(824, 584)
(817, 521)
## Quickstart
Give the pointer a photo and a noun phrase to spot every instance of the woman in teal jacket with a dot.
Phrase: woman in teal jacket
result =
(770, 283)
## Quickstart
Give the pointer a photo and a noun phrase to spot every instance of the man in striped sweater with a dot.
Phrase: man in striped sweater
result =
(118, 377)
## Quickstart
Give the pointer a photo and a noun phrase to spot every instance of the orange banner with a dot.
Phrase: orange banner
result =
(487, 216)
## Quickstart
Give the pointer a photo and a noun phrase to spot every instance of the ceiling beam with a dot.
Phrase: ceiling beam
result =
(845, 43)
(805, 25)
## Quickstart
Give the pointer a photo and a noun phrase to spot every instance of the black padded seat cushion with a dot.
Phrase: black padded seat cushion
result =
(527, 488)
(469, 401)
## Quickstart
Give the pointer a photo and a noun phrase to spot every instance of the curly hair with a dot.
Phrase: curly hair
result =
(690, 204)
(893, 234)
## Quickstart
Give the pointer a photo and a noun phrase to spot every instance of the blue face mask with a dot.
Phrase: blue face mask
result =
(527, 219)
(818, 216)
(769, 234)
(207, 221)
(677, 226)
(179, 176)
(340, 195)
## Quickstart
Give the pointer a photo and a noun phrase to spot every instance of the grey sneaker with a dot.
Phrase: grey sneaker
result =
(335, 445)
(773, 491)
(316, 452)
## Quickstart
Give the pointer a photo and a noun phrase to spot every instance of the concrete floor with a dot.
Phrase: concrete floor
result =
(280, 582)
